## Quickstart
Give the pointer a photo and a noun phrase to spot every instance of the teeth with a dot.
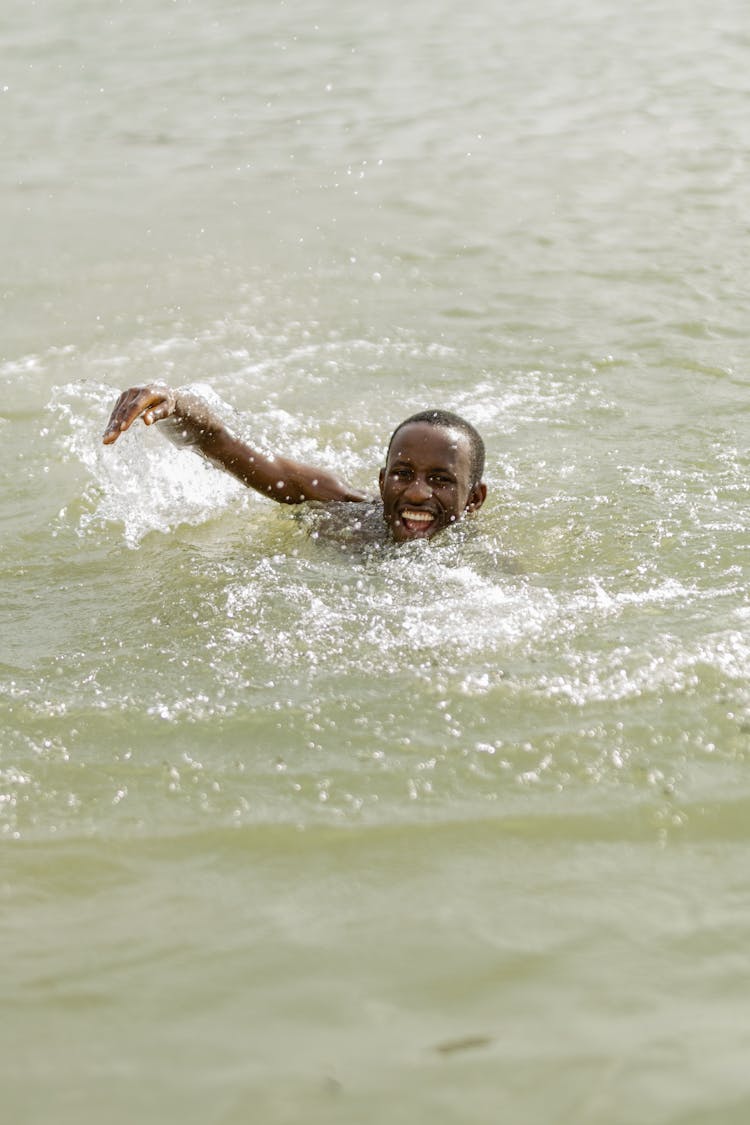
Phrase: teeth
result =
(419, 517)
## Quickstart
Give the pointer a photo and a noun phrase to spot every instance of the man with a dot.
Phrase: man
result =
(431, 479)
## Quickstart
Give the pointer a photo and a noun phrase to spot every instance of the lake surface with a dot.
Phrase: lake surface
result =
(454, 832)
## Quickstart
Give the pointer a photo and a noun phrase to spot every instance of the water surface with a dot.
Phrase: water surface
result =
(449, 833)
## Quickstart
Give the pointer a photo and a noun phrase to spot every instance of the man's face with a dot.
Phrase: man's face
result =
(426, 484)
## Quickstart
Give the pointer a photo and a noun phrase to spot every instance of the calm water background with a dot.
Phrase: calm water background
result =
(455, 834)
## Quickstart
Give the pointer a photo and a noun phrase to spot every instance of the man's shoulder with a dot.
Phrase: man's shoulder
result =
(352, 523)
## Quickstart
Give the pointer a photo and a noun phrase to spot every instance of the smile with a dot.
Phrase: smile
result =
(417, 523)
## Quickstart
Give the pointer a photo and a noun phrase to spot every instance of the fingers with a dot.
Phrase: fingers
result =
(157, 413)
(151, 403)
(115, 425)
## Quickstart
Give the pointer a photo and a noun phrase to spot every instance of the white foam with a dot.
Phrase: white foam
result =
(141, 482)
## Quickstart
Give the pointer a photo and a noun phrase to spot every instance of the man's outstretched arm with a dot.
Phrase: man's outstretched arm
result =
(188, 421)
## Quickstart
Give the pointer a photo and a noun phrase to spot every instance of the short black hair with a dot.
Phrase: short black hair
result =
(447, 420)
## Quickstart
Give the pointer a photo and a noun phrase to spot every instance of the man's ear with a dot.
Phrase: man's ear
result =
(381, 482)
(477, 497)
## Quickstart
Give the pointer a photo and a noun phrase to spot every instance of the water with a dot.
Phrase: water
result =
(453, 833)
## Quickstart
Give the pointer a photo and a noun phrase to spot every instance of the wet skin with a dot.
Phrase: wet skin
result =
(187, 421)
(426, 484)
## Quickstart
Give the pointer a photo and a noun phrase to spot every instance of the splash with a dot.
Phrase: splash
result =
(143, 483)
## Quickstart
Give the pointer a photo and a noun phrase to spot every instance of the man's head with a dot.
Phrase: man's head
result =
(433, 474)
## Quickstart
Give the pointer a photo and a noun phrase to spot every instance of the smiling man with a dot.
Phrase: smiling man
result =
(431, 479)
(432, 475)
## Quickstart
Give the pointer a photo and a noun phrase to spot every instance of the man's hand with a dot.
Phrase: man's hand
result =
(151, 403)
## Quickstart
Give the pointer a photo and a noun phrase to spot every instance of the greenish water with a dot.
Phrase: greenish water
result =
(445, 833)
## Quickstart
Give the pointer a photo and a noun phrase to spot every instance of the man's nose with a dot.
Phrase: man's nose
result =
(418, 490)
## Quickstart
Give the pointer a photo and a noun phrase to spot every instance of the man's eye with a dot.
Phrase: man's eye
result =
(440, 479)
(401, 473)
